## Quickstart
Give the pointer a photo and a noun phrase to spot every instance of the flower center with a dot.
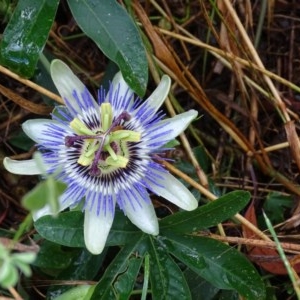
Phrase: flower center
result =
(103, 148)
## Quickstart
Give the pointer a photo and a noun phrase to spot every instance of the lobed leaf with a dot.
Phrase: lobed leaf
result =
(221, 265)
(106, 289)
(199, 287)
(167, 280)
(84, 266)
(124, 284)
(46, 192)
(52, 256)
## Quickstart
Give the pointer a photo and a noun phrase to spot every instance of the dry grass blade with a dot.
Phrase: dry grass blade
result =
(188, 82)
(289, 247)
(170, 64)
(38, 109)
(31, 84)
(280, 104)
(293, 141)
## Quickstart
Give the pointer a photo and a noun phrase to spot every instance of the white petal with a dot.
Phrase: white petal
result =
(96, 230)
(122, 89)
(172, 127)
(156, 99)
(21, 167)
(36, 128)
(67, 83)
(142, 214)
(45, 211)
(64, 203)
(173, 190)
(119, 83)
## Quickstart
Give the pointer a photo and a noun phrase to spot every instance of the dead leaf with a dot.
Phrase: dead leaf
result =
(266, 258)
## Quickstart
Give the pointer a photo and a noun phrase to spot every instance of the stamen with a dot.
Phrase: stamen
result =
(126, 136)
(80, 128)
(111, 152)
(119, 161)
(106, 116)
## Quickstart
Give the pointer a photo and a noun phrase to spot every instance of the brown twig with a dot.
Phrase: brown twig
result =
(31, 84)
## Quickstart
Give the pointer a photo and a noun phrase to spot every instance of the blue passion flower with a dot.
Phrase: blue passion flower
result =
(107, 152)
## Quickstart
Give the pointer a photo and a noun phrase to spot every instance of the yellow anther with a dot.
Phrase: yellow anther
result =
(106, 116)
(80, 128)
(88, 152)
(111, 152)
(120, 162)
(125, 135)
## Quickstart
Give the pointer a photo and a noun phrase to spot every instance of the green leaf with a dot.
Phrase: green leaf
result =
(46, 192)
(22, 261)
(172, 144)
(105, 288)
(199, 287)
(8, 275)
(23, 267)
(275, 206)
(202, 157)
(22, 141)
(26, 34)
(6, 10)
(227, 294)
(84, 266)
(6, 233)
(67, 229)
(76, 293)
(51, 256)
(111, 28)
(185, 167)
(24, 257)
(125, 282)
(221, 265)
(167, 280)
(206, 215)
(121, 231)
(43, 78)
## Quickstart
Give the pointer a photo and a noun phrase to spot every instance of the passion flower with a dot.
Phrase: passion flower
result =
(107, 152)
